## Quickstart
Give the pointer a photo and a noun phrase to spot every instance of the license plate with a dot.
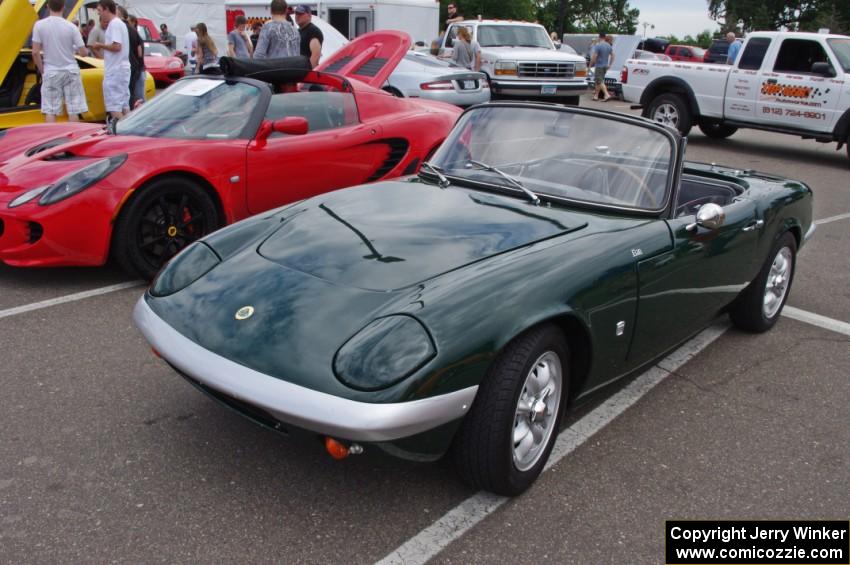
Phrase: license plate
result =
(469, 85)
(548, 89)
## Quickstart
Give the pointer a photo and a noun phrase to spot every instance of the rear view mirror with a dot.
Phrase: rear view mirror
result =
(710, 216)
(293, 125)
(823, 69)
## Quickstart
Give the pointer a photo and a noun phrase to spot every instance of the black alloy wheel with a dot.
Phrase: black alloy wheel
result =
(164, 218)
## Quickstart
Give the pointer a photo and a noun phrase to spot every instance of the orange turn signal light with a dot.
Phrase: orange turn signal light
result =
(581, 73)
(336, 449)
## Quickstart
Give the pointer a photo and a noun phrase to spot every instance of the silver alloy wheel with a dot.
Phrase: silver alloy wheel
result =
(666, 114)
(776, 285)
(537, 410)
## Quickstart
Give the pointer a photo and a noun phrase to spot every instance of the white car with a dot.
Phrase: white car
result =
(420, 75)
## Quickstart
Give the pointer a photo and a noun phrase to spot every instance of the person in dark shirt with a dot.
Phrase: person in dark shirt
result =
(311, 36)
(255, 34)
(137, 57)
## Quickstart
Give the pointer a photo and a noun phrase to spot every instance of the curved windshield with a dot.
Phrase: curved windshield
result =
(156, 50)
(841, 48)
(200, 108)
(513, 36)
(569, 155)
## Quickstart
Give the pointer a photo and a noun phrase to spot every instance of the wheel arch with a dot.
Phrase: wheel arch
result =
(578, 341)
(841, 132)
(671, 85)
(187, 175)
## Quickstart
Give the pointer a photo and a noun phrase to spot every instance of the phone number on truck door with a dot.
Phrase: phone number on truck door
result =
(791, 113)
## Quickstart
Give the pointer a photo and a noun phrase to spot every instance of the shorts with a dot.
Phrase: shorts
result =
(116, 89)
(599, 76)
(58, 86)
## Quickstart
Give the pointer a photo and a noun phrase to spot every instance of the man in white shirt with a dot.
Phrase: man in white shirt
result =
(116, 61)
(97, 35)
(55, 40)
(189, 42)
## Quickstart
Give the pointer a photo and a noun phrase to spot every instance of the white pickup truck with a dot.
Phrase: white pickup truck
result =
(785, 82)
(520, 60)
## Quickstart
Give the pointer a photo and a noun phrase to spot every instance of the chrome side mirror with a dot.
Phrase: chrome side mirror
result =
(710, 216)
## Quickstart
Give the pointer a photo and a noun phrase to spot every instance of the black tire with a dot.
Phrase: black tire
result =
(571, 100)
(749, 311)
(672, 110)
(484, 448)
(149, 232)
(394, 91)
(716, 129)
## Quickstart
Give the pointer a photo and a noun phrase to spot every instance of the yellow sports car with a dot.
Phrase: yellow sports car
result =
(20, 90)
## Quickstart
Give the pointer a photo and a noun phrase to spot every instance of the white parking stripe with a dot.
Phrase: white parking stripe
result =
(832, 219)
(433, 539)
(816, 320)
(68, 298)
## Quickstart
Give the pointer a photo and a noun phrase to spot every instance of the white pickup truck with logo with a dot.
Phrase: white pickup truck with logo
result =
(520, 60)
(785, 82)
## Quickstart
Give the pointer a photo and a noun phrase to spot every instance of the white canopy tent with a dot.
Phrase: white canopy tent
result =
(180, 16)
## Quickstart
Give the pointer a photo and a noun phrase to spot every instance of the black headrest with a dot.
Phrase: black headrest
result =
(275, 71)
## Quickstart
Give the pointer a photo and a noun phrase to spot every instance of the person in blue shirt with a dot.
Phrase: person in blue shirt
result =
(734, 48)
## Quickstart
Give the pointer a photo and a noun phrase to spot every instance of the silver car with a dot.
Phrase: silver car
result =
(420, 75)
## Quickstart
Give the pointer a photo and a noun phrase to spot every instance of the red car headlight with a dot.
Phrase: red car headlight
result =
(81, 180)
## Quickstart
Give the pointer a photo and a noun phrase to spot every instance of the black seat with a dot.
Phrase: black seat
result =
(13, 84)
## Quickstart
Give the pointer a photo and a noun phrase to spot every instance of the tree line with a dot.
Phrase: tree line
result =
(618, 17)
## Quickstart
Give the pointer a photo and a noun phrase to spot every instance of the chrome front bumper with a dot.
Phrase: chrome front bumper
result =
(534, 88)
(305, 408)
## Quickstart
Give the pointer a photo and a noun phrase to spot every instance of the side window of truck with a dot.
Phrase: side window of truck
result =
(798, 56)
(753, 55)
(451, 33)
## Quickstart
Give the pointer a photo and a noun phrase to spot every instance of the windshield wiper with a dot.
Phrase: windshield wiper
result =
(485, 167)
(438, 172)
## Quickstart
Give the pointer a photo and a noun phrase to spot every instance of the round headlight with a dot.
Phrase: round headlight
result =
(385, 352)
(188, 266)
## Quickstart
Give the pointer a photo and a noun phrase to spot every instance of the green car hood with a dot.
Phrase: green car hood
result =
(396, 234)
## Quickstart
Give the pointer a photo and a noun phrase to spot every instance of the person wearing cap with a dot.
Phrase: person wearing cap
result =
(238, 41)
(278, 38)
(311, 36)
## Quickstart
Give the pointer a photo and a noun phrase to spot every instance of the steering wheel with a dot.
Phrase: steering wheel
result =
(642, 187)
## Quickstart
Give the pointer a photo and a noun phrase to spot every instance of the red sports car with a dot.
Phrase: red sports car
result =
(207, 152)
(163, 66)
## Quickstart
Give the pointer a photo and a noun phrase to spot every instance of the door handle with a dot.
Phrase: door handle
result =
(755, 225)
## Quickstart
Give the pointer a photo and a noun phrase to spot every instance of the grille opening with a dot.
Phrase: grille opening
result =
(34, 232)
(45, 146)
(63, 156)
(2, 227)
(543, 69)
(398, 149)
(253, 413)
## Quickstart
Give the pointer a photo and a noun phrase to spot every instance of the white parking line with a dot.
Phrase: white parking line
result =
(832, 219)
(68, 298)
(433, 539)
(816, 320)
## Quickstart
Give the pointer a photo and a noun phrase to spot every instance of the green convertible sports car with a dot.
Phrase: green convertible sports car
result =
(542, 253)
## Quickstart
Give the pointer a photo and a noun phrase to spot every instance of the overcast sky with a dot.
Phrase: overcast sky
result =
(677, 17)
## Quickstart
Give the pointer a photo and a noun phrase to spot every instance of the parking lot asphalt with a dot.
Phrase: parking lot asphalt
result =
(108, 456)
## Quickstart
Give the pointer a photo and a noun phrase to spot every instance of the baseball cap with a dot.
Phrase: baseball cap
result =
(302, 9)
